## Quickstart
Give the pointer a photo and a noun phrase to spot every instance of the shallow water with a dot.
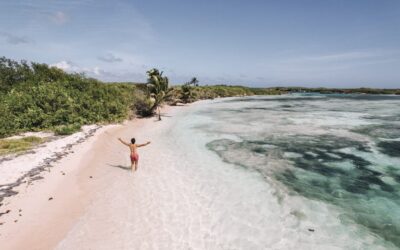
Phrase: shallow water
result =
(278, 172)
(339, 150)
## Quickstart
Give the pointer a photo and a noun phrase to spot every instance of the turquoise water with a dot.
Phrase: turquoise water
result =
(342, 150)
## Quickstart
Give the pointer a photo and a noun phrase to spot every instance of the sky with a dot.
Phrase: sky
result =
(261, 43)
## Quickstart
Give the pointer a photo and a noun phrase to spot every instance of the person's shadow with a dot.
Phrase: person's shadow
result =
(119, 166)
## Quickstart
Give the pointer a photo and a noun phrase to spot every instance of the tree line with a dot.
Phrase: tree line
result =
(35, 96)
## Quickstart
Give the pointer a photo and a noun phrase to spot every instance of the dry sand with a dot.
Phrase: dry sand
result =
(46, 211)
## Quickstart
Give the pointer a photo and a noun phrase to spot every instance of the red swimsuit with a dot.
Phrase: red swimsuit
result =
(134, 157)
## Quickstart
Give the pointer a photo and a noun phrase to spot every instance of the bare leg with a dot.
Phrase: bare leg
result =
(136, 165)
(133, 166)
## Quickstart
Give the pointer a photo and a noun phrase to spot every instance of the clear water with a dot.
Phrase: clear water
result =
(336, 156)
(279, 172)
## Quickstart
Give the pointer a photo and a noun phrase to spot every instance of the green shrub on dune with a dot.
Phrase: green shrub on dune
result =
(193, 93)
(188, 91)
(143, 104)
(67, 129)
(40, 97)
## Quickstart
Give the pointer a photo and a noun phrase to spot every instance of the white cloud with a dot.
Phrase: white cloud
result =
(14, 39)
(110, 58)
(71, 67)
(95, 71)
(59, 17)
(66, 66)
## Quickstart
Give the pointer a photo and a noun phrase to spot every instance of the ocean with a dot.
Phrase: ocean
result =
(304, 171)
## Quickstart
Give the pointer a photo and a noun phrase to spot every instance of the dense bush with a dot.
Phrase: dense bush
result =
(35, 97)
(143, 104)
(67, 129)
(187, 93)
(214, 91)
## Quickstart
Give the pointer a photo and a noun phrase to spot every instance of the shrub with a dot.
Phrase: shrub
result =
(67, 129)
(39, 97)
(143, 104)
(8, 146)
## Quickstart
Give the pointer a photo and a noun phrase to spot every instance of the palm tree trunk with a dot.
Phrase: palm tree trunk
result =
(159, 114)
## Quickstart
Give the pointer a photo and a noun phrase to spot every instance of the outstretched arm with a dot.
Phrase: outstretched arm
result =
(127, 144)
(142, 145)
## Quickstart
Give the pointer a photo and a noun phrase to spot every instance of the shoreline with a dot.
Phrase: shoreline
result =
(180, 197)
(26, 167)
(49, 206)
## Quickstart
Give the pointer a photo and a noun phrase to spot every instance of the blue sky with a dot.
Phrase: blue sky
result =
(331, 43)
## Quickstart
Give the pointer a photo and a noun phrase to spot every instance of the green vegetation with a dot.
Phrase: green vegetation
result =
(158, 90)
(36, 97)
(190, 93)
(187, 91)
(9, 146)
(150, 96)
(67, 129)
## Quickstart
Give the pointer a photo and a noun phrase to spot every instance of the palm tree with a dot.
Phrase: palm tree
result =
(158, 89)
(187, 90)
(194, 81)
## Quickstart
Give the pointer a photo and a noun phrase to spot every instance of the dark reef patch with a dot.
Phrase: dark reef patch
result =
(348, 173)
(317, 172)
(391, 148)
(388, 131)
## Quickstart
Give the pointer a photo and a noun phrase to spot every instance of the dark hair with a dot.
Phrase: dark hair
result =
(133, 140)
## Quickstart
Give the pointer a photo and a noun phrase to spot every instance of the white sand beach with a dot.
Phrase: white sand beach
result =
(48, 209)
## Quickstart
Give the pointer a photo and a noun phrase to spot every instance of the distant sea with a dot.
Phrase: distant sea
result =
(298, 171)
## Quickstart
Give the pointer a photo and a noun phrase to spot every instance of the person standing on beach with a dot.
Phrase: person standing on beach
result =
(134, 155)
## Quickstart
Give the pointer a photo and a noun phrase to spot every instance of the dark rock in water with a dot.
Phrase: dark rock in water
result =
(259, 150)
(311, 230)
(389, 131)
(16, 221)
(391, 148)
(50, 198)
(90, 177)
